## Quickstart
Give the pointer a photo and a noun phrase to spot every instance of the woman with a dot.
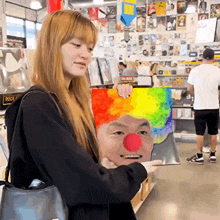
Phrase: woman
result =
(63, 150)
(153, 72)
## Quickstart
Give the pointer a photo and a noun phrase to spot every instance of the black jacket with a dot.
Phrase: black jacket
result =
(44, 148)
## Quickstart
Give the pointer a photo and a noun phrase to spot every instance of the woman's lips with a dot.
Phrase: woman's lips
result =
(133, 156)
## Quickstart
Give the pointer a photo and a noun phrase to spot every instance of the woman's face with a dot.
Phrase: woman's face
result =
(76, 57)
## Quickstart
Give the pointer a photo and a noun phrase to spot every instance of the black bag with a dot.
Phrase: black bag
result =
(38, 203)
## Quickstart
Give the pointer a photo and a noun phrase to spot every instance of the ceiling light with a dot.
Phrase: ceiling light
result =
(36, 5)
(98, 1)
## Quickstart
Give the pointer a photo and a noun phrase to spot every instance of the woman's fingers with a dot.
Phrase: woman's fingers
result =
(124, 90)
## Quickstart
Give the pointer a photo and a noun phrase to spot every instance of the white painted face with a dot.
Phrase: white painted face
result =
(76, 57)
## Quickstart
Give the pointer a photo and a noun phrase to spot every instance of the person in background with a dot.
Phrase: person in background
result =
(153, 72)
(131, 69)
(203, 84)
(121, 67)
(61, 150)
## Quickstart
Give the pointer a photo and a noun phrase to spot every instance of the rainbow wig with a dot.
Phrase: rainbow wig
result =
(153, 104)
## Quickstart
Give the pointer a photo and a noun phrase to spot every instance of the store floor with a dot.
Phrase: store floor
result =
(186, 191)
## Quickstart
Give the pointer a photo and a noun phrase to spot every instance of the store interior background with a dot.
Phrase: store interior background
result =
(178, 49)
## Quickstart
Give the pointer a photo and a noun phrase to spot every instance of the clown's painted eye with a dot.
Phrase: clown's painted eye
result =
(142, 132)
(118, 133)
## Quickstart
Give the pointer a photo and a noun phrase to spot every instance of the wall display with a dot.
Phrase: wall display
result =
(103, 25)
(141, 18)
(13, 73)
(215, 10)
(119, 27)
(1, 37)
(147, 131)
(161, 24)
(206, 31)
(203, 6)
(203, 16)
(181, 22)
(171, 7)
(93, 13)
(183, 50)
(104, 67)
(171, 23)
(84, 11)
(181, 7)
(152, 8)
(161, 9)
(112, 25)
(217, 31)
(94, 73)
(192, 22)
(152, 22)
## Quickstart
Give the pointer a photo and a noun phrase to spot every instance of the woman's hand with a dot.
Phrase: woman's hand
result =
(107, 163)
(124, 90)
(151, 166)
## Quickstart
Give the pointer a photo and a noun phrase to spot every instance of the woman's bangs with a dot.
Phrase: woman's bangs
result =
(86, 32)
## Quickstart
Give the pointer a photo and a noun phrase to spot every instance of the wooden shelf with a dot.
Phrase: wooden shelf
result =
(137, 207)
(183, 118)
(173, 75)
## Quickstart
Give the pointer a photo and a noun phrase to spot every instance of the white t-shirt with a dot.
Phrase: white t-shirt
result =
(205, 79)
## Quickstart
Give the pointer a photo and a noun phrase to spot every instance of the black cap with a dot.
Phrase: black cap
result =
(208, 54)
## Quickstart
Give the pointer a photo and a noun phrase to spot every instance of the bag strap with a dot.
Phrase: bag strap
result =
(6, 182)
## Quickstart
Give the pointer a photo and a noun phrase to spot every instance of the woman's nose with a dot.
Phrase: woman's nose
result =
(132, 142)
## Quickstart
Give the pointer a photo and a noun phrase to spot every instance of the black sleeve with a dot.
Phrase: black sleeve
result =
(57, 154)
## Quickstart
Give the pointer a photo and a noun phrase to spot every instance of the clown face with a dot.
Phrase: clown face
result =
(126, 140)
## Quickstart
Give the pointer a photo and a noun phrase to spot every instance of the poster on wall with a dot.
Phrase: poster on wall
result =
(206, 31)
(104, 67)
(103, 25)
(181, 7)
(141, 18)
(161, 24)
(93, 13)
(161, 9)
(112, 25)
(203, 7)
(192, 22)
(13, 72)
(152, 8)
(171, 23)
(1, 37)
(203, 16)
(181, 22)
(171, 8)
(152, 22)
(94, 73)
(135, 129)
(215, 11)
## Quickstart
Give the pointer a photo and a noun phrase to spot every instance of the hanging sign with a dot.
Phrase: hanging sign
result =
(54, 5)
(126, 11)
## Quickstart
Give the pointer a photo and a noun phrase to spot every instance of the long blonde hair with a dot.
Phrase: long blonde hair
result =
(59, 28)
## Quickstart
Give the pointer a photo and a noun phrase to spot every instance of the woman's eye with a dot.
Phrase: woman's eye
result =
(143, 132)
(76, 45)
(90, 49)
(118, 133)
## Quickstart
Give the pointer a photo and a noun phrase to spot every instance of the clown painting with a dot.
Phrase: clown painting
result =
(135, 129)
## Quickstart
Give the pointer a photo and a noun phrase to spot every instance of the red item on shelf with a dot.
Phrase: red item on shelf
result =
(54, 5)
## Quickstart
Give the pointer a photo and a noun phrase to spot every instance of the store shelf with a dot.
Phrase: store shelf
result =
(183, 118)
(173, 75)
(137, 207)
(181, 106)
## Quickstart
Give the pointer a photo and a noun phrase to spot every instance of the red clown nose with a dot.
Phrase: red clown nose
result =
(132, 142)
